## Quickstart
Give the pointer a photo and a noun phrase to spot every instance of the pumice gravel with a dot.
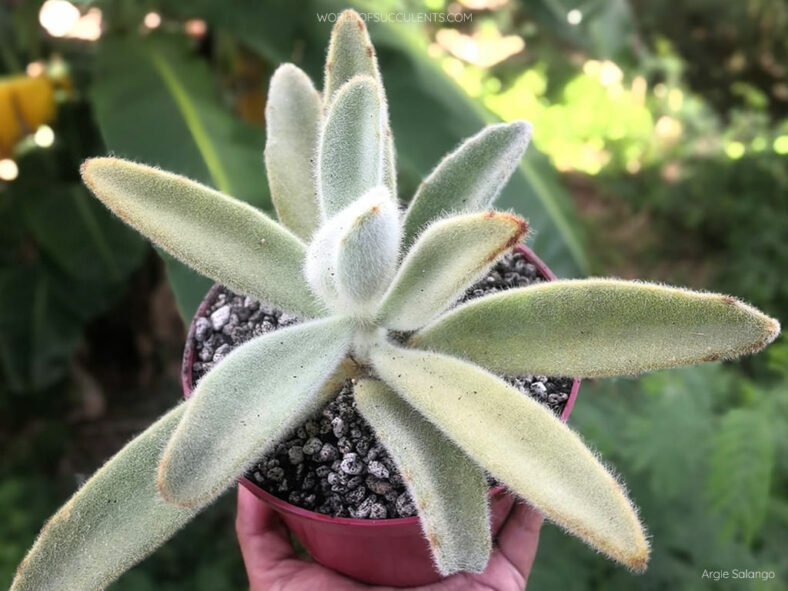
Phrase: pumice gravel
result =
(333, 463)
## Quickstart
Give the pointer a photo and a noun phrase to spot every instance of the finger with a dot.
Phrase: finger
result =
(269, 557)
(519, 537)
(261, 533)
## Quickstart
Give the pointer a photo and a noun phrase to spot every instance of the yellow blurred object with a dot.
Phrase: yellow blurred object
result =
(9, 121)
(675, 99)
(781, 144)
(37, 101)
(25, 104)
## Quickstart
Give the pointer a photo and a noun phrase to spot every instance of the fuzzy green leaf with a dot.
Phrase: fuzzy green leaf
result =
(350, 54)
(114, 521)
(292, 117)
(430, 112)
(320, 264)
(354, 254)
(598, 327)
(742, 461)
(469, 178)
(350, 153)
(521, 443)
(389, 162)
(197, 133)
(368, 250)
(246, 403)
(449, 489)
(443, 262)
(223, 238)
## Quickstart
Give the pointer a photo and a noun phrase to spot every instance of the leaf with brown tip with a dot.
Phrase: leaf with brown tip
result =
(598, 327)
(448, 257)
(351, 53)
(469, 178)
(449, 489)
(223, 238)
(522, 444)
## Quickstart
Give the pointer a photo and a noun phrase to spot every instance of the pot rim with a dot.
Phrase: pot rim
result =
(188, 386)
(286, 507)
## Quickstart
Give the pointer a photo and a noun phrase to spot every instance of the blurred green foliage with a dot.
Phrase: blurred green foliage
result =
(63, 260)
(702, 451)
(595, 122)
(674, 112)
(730, 213)
(735, 52)
(179, 125)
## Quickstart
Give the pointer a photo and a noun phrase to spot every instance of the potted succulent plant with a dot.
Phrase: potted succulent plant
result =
(335, 457)
(370, 293)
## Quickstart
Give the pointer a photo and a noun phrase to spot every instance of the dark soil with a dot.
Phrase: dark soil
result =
(333, 463)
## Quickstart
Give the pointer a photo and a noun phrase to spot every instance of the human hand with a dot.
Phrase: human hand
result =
(272, 563)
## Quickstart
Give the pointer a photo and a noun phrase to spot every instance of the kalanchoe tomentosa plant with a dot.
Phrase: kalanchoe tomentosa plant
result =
(361, 274)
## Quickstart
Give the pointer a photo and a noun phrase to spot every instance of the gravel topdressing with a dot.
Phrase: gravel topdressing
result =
(333, 463)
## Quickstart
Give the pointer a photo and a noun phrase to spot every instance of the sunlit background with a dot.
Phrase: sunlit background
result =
(660, 151)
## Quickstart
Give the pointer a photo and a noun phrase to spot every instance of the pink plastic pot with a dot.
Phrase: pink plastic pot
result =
(382, 552)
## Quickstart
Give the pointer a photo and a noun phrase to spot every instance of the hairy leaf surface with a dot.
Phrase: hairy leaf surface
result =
(252, 398)
(114, 521)
(598, 327)
(430, 112)
(195, 132)
(354, 254)
(351, 53)
(522, 444)
(292, 117)
(443, 262)
(470, 177)
(223, 238)
(368, 249)
(350, 156)
(449, 489)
